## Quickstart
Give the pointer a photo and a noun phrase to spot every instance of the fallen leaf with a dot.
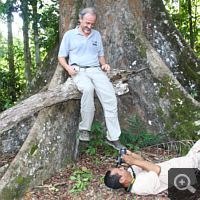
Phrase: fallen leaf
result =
(28, 195)
(84, 168)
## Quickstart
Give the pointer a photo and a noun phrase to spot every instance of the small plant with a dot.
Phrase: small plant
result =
(97, 139)
(81, 178)
(102, 179)
(54, 189)
(142, 138)
(195, 93)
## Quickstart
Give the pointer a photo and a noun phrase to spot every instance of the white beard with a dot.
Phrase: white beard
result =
(86, 31)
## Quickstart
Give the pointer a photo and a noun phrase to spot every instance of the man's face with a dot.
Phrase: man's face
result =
(122, 172)
(87, 22)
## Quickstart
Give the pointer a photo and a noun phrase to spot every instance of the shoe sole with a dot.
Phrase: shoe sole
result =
(112, 145)
(84, 140)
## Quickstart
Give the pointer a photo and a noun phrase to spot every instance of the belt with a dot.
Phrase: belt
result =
(89, 67)
(85, 66)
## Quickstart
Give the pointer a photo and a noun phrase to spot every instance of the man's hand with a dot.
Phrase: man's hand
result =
(131, 158)
(128, 159)
(106, 67)
(71, 71)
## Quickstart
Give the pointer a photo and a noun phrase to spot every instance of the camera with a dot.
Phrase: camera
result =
(119, 159)
(76, 68)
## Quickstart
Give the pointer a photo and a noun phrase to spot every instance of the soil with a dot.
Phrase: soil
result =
(58, 186)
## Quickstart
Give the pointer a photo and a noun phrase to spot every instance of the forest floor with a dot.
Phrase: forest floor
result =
(59, 186)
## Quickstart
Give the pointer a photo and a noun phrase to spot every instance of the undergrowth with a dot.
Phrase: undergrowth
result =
(137, 136)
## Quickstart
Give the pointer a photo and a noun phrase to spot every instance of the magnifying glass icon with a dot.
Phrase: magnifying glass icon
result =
(181, 182)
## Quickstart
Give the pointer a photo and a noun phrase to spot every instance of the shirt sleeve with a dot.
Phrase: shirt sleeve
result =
(100, 50)
(146, 183)
(64, 46)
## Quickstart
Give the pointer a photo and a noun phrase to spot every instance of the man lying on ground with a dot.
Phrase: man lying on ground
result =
(148, 178)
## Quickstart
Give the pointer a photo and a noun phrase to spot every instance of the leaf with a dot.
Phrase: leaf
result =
(74, 167)
(87, 170)
(53, 188)
(78, 172)
(102, 179)
(84, 168)
(72, 178)
(28, 195)
(71, 191)
(86, 175)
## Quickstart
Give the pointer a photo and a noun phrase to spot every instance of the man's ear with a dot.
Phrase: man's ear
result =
(121, 180)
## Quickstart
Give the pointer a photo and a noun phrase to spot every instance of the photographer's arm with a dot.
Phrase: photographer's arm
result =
(148, 166)
(134, 159)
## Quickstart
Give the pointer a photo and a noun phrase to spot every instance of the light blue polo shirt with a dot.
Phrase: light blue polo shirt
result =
(84, 51)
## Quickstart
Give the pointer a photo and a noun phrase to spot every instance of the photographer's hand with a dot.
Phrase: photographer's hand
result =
(134, 155)
(128, 159)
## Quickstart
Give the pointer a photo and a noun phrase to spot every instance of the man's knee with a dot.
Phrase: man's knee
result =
(89, 89)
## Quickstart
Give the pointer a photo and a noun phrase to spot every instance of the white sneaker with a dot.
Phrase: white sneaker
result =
(84, 136)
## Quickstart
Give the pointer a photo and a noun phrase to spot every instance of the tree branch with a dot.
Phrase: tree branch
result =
(39, 101)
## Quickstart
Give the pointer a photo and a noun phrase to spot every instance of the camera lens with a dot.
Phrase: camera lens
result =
(122, 151)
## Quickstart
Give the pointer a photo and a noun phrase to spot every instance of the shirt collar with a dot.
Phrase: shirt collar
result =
(76, 30)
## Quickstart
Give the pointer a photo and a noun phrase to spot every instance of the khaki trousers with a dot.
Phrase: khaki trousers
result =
(93, 79)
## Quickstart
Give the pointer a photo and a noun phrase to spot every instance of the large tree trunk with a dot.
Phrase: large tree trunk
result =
(138, 36)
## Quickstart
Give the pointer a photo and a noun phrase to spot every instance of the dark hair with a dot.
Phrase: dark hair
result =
(112, 181)
(87, 10)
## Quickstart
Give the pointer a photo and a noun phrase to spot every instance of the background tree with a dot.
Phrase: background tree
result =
(27, 54)
(35, 20)
(12, 81)
(48, 32)
(7, 9)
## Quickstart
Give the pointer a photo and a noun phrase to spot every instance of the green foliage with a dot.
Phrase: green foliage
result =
(97, 140)
(33, 149)
(179, 12)
(5, 74)
(48, 24)
(81, 180)
(141, 138)
(195, 93)
(182, 112)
